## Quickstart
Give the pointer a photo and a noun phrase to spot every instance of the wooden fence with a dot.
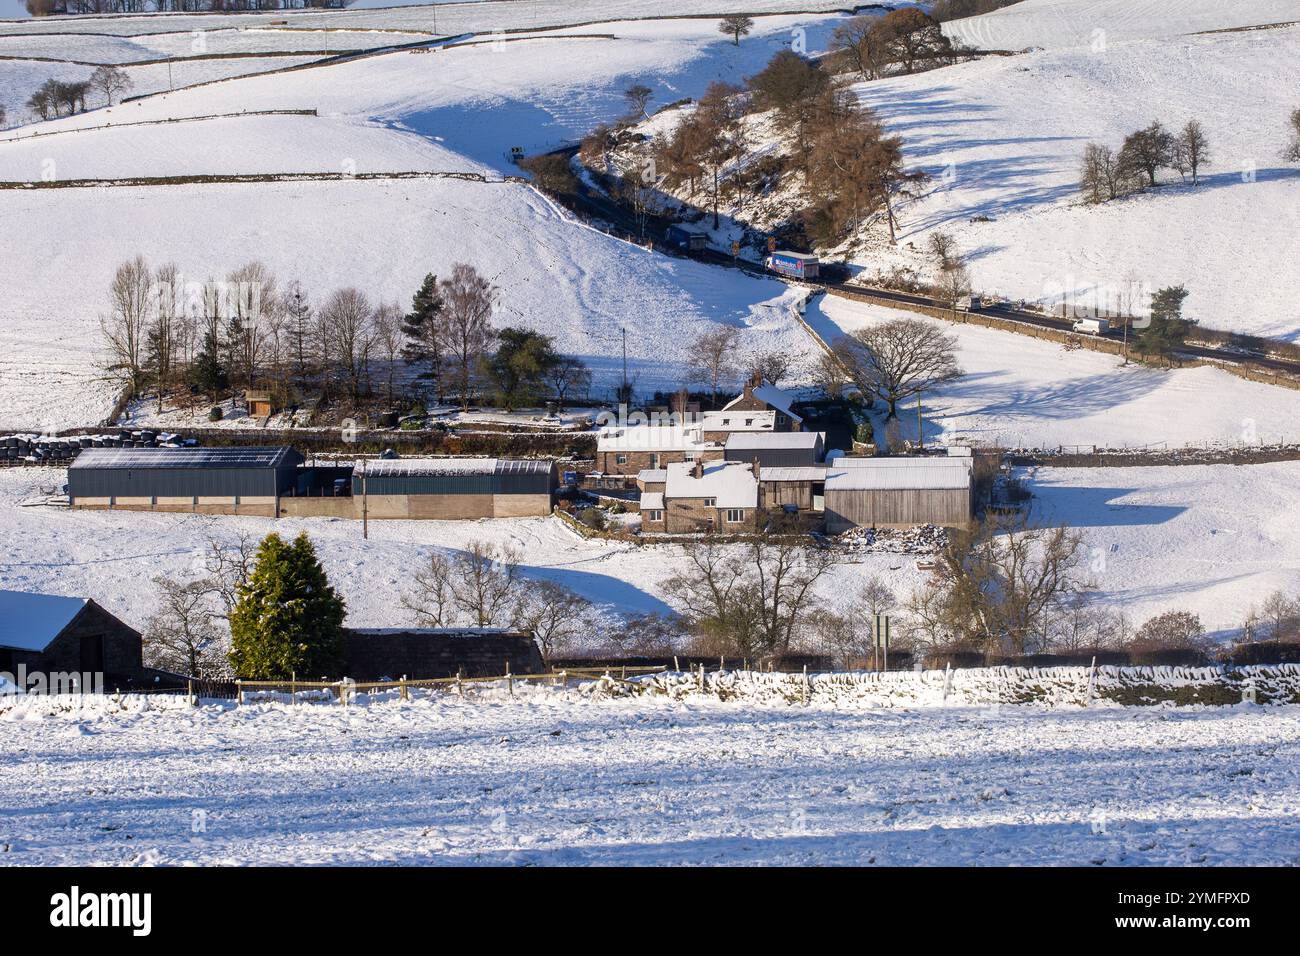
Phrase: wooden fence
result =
(345, 691)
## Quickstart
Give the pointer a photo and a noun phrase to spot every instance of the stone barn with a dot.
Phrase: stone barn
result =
(53, 635)
(426, 653)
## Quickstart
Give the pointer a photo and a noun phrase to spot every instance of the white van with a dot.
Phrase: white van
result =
(1092, 326)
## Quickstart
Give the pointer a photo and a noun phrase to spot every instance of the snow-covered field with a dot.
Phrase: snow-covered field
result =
(1019, 391)
(1061, 23)
(551, 779)
(1003, 139)
(1214, 540)
(112, 557)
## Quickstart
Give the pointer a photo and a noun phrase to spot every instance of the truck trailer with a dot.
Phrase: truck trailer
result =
(796, 265)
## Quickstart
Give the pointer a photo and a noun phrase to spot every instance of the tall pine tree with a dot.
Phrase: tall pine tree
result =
(1167, 329)
(422, 327)
(287, 619)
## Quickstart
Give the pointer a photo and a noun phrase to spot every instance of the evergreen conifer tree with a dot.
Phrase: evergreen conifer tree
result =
(287, 619)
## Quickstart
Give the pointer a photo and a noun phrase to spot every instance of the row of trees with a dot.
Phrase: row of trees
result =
(902, 41)
(57, 98)
(1106, 175)
(166, 334)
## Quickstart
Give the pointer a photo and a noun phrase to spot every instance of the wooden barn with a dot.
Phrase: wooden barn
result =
(454, 488)
(898, 493)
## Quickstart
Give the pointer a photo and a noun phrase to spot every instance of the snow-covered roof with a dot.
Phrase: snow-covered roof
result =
(218, 457)
(29, 622)
(875, 474)
(651, 438)
(793, 473)
(652, 476)
(738, 421)
(732, 483)
(652, 501)
(743, 441)
(777, 398)
(431, 631)
(392, 467)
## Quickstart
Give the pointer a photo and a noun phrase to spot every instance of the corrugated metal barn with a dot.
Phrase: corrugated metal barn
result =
(898, 493)
(455, 487)
(775, 449)
(208, 480)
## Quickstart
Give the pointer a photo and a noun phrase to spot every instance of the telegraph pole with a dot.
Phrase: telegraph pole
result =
(365, 503)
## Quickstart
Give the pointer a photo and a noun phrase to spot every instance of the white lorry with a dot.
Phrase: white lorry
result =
(1092, 326)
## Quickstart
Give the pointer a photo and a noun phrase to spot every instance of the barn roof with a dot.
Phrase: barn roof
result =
(136, 458)
(652, 501)
(793, 473)
(30, 622)
(882, 474)
(759, 441)
(435, 467)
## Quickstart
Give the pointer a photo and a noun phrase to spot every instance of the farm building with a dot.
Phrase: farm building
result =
(454, 488)
(374, 654)
(633, 448)
(759, 396)
(206, 480)
(702, 496)
(69, 637)
(802, 487)
(776, 450)
(898, 492)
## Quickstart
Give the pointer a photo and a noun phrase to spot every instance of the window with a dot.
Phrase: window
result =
(748, 422)
(710, 502)
(654, 515)
(735, 515)
(620, 459)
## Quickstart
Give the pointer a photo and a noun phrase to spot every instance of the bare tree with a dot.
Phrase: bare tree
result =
(110, 80)
(896, 360)
(830, 375)
(124, 326)
(1292, 151)
(467, 306)
(751, 599)
(858, 42)
(228, 567)
(181, 635)
(944, 249)
(1002, 586)
(389, 340)
(251, 300)
(1147, 150)
(736, 26)
(567, 375)
(554, 615)
(713, 357)
(485, 585)
(432, 601)
(1191, 151)
(347, 321)
(773, 365)
(163, 330)
(638, 97)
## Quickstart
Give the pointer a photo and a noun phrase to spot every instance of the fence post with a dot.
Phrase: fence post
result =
(405, 693)
(564, 678)
(510, 681)
(676, 667)
(805, 683)
(460, 688)
(947, 679)
(239, 692)
(293, 687)
(189, 691)
(1092, 676)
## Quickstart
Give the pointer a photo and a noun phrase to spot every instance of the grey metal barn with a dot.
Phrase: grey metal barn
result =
(455, 487)
(776, 449)
(212, 480)
(898, 492)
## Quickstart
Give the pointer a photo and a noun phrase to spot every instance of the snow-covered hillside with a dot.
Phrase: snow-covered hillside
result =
(1003, 138)
(1062, 23)
(556, 275)
(1026, 392)
(456, 109)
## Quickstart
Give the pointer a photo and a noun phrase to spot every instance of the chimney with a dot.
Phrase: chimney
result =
(756, 380)
(758, 470)
(697, 470)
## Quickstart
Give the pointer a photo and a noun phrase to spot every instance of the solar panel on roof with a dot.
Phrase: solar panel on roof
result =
(133, 458)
